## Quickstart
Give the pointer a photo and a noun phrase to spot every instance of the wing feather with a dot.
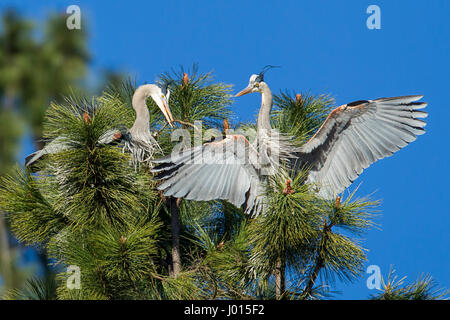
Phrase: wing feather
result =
(216, 170)
(57, 145)
(356, 135)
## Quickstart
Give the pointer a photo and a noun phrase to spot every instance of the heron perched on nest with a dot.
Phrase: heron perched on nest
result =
(137, 140)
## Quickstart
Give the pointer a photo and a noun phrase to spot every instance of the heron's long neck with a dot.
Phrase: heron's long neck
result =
(142, 121)
(266, 107)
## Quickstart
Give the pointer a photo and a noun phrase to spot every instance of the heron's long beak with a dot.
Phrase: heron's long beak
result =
(166, 106)
(245, 91)
(166, 111)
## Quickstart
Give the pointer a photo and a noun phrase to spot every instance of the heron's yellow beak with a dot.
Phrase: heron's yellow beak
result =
(245, 91)
(167, 113)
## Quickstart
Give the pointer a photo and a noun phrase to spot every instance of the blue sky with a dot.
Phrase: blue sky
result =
(323, 47)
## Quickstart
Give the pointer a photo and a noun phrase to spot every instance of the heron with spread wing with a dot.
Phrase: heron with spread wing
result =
(352, 137)
(137, 140)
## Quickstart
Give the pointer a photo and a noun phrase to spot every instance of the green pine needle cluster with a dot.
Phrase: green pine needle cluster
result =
(200, 98)
(424, 288)
(306, 111)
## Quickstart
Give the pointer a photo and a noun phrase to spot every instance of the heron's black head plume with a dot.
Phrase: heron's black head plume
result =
(264, 70)
(164, 85)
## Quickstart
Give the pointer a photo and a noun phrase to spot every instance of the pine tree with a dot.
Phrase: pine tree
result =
(93, 210)
(90, 208)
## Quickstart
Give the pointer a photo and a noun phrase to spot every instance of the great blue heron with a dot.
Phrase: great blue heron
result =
(352, 137)
(138, 139)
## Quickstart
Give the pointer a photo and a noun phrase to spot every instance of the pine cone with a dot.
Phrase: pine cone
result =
(288, 189)
(86, 118)
(185, 79)
(338, 202)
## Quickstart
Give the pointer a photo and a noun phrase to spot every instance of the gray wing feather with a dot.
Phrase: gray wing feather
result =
(62, 143)
(57, 145)
(215, 170)
(356, 135)
(112, 135)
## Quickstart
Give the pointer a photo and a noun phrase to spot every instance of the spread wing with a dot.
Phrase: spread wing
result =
(62, 143)
(226, 169)
(356, 135)
(57, 145)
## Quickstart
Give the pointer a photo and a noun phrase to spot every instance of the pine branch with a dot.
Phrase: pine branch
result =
(175, 224)
(280, 278)
(320, 261)
(424, 288)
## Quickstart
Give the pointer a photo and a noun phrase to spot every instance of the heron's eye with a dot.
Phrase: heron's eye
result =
(162, 96)
(257, 84)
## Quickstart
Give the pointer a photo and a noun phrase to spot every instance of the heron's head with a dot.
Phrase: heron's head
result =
(160, 94)
(254, 84)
